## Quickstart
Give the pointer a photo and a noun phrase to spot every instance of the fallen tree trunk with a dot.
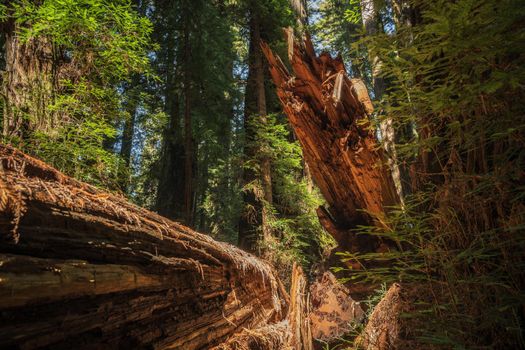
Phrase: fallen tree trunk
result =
(329, 112)
(81, 268)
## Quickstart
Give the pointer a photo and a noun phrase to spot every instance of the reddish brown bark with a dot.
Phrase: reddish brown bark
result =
(188, 134)
(81, 268)
(329, 114)
(27, 84)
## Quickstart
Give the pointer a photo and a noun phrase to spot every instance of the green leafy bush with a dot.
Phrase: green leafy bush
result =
(297, 235)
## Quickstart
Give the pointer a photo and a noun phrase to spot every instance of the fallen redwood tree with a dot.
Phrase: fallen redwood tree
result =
(82, 268)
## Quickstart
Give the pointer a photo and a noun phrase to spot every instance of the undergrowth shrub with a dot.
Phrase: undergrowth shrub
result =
(456, 81)
(296, 234)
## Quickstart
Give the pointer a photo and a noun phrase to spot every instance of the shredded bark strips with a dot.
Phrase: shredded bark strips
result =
(83, 268)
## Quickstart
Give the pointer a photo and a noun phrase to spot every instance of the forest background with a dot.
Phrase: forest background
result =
(170, 103)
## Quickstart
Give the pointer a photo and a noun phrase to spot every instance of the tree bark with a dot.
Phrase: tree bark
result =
(370, 15)
(27, 85)
(188, 134)
(127, 135)
(300, 8)
(128, 132)
(329, 114)
(85, 269)
(255, 216)
(169, 200)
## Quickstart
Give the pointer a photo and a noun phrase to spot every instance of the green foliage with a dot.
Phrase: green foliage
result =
(272, 14)
(97, 45)
(147, 138)
(214, 59)
(337, 27)
(104, 38)
(296, 231)
(455, 76)
(3, 12)
(215, 97)
(219, 60)
(76, 150)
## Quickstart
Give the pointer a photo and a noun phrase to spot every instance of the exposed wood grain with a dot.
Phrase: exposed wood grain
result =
(299, 311)
(85, 269)
(329, 112)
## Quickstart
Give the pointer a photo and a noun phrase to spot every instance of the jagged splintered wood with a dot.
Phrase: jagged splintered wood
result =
(81, 268)
(294, 333)
(329, 112)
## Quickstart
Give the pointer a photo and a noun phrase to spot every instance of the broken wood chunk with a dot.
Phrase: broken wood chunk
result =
(383, 329)
(334, 313)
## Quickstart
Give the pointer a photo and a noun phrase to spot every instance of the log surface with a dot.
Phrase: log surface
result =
(81, 268)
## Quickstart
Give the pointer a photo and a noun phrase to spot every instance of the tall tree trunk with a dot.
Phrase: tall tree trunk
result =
(132, 105)
(27, 85)
(255, 215)
(128, 132)
(370, 16)
(188, 134)
(301, 11)
(406, 15)
(169, 201)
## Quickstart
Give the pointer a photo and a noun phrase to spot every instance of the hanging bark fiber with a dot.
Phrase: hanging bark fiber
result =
(81, 268)
(329, 112)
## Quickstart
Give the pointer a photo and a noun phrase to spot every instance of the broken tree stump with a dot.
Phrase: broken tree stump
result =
(81, 268)
(329, 112)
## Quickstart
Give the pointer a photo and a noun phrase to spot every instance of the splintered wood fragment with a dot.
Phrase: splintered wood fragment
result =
(334, 313)
(361, 94)
(299, 311)
(338, 142)
(290, 39)
(81, 268)
(338, 87)
(271, 337)
(384, 328)
(294, 333)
